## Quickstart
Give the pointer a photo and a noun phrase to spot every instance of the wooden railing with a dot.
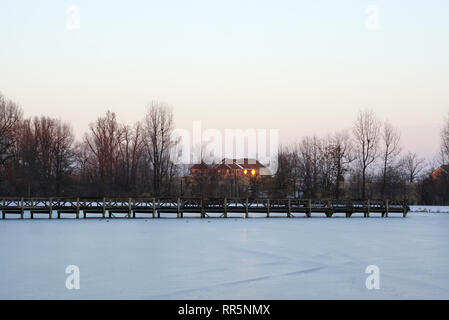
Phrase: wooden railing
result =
(111, 207)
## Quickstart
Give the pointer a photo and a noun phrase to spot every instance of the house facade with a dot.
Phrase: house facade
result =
(231, 167)
(441, 172)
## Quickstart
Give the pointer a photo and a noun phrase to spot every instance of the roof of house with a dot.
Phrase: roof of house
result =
(200, 166)
(230, 166)
(243, 163)
(442, 169)
(445, 167)
(234, 164)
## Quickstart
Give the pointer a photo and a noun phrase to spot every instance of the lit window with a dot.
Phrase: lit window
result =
(245, 171)
(253, 172)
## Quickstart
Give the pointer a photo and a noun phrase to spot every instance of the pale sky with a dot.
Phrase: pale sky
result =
(301, 67)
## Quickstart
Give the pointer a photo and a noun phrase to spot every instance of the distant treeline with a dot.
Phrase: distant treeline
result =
(40, 156)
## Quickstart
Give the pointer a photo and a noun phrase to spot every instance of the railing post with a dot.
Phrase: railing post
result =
(289, 212)
(246, 208)
(367, 208)
(154, 208)
(268, 208)
(178, 215)
(225, 208)
(180, 205)
(104, 209)
(21, 208)
(309, 208)
(51, 207)
(329, 212)
(31, 209)
(130, 209)
(387, 208)
(203, 215)
(404, 206)
(77, 208)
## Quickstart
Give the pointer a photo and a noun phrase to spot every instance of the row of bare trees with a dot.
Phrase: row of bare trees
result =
(36, 154)
(40, 156)
(365, 163)
(119, 159)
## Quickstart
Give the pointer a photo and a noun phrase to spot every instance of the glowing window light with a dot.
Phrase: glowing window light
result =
(253, 172)
(245, 171)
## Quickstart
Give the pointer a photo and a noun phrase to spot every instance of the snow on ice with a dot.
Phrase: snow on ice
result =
(316, 258)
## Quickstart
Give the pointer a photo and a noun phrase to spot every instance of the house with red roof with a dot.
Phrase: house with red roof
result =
(238, 167)
(441, 172)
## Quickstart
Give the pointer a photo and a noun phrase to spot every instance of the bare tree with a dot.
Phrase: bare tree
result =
(366, 133)
(26, 164)
(391, 149)
(158, 128)
(445, 141)
(131, 155)
(10, 117)
(84, 168)
(413, 165)
(285, 176)
(310, 160)
(63, 153)
(104, 142)
(44, 155)
(341, 151)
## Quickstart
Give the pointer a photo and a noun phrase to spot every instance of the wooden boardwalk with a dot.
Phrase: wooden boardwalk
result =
(202, 208)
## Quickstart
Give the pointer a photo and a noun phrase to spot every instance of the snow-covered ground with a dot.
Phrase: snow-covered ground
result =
(435, 209)
(315, 258)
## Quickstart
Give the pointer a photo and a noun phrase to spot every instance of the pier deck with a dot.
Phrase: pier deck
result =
(202, 208)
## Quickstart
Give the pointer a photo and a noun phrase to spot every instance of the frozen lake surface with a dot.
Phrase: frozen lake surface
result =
(316, 258)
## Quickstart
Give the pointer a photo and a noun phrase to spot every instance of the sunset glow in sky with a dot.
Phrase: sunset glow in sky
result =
(301, 67)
